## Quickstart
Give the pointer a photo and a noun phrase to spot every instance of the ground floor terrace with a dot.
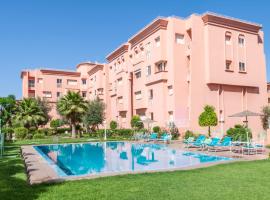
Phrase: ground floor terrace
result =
(245, 178)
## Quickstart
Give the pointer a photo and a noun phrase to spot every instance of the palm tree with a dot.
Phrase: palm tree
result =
(29, 113)
(72, 106)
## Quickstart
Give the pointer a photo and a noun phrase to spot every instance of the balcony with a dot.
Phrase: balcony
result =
(122, 107)
(161, 76)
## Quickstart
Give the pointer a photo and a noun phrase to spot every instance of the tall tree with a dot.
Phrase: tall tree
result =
(265, 117)
(29, 113)
(46, 108)
(72, 106)
(208, 118)
(9, 104)
(94, 115)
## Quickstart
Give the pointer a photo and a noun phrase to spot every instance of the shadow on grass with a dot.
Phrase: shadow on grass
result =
(13, 180)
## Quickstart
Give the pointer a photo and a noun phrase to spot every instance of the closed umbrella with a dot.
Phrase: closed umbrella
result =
(246, 114)
(148, 121)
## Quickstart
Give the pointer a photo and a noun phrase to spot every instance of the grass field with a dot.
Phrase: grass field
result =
(241, 180)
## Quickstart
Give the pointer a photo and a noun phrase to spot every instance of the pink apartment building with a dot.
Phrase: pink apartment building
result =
(169, 70)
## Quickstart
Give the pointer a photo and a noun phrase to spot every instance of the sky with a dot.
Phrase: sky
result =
(62, 33)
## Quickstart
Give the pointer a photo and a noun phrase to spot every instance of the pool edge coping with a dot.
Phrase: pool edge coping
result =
(39, 170)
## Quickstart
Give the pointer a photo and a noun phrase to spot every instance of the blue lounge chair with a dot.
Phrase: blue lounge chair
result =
(214, 142)
(225, 144)
(165, 137)
(189, 140)
(153, 137)
(198, 142)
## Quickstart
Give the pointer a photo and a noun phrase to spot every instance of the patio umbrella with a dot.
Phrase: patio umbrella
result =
(246, 114)
(148, 121)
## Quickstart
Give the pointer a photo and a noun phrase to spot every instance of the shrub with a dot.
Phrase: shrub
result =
(136, 122)
(8, 131)
(63, 130)
(188, 134)
(156, 129)
(29, 136)
(127, 133)
(113, 125)
(56, 123)
(239, 133)
(20, 132)
(39, 136)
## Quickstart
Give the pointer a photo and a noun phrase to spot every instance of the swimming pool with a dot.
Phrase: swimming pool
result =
(114, 157)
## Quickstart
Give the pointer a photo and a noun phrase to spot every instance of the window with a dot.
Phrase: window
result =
(228, 37)
(72, 82)
(84, 94)
(59, 82)
(242, 67)
(147, 51)
(40, 80)
(241, 40)
(179, 38)
(170, 116)
(229, 65)
(152, 116)
(31, 83)
(170, 90)
(120, 100)
(148, 70)
(120, 81)
(138, 95)
(157, 40)
(150, 94)
(160, 67)
(138, 74)
(100, 91)
(84, 81)
(47, 94)
(58, 94)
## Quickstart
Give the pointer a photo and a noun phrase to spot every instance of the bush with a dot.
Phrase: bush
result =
(188, 134)
(56, 123)
(239, 133)
(174, 131)
(113, 125)
(20, 132)
(156, 129)
(29, 136)
(8, 131)
(136, 122)
(63, 130)
(127, 133)
(39, 136)
(45, 131)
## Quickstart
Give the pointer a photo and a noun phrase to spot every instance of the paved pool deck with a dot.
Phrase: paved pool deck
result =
(39, 171)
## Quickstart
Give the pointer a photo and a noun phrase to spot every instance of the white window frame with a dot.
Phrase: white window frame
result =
(47, 94)
(157, 41)
(242, 67)
(170, 90)
(138, 72)
(148, 70)
(138, 95)
(179, 38)
(72, 82)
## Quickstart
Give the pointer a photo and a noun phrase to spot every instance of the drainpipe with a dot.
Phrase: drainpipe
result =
(131, 93)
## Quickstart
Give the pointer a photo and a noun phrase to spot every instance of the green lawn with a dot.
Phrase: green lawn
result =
(241, 180)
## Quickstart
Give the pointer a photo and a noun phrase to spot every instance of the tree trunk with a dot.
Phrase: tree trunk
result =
(73, 131)
(209, 131)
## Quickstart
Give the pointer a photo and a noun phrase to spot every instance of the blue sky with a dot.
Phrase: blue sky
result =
(63, 33)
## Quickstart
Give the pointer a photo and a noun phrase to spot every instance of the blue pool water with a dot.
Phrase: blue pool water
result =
(109, 157)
